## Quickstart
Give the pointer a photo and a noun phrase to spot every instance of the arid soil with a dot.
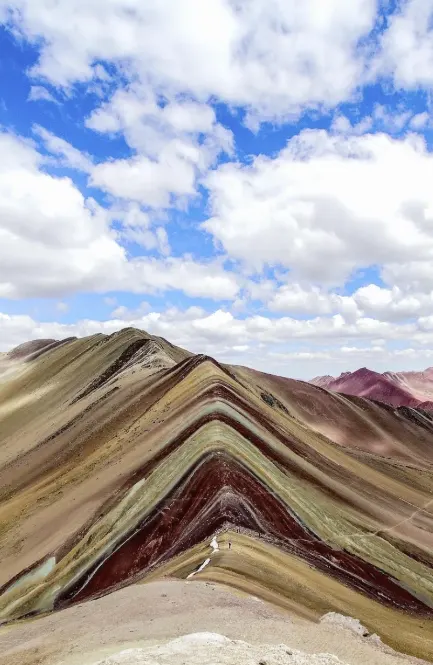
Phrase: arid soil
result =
(146, 615)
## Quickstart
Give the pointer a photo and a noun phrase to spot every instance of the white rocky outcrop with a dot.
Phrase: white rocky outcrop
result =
(354, 625)
(211, 648)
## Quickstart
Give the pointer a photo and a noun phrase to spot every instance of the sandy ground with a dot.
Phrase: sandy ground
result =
(141, 616)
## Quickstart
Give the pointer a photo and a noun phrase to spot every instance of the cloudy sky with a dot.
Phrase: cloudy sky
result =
(251, 179)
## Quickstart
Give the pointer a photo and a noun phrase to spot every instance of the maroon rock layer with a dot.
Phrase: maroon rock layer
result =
(217, 493)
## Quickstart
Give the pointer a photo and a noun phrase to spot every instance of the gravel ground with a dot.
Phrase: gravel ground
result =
(143, 616)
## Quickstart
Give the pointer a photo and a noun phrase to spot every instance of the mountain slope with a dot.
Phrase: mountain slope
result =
(413, 389)
(126, 459)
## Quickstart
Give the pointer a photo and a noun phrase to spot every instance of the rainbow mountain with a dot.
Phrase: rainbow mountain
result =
(125, 459)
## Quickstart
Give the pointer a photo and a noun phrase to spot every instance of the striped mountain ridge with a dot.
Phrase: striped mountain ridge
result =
(122, 457)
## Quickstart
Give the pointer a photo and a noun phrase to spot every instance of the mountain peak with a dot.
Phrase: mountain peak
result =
(394, 388)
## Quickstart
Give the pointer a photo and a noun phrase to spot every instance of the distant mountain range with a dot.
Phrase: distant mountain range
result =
(414, 389)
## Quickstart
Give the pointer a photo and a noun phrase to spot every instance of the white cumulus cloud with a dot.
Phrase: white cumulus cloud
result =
(287, 347)
(273, 56)
(327, 205)
(54, 241)
(407, 46)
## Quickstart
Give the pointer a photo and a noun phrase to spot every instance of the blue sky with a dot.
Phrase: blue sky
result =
(252, 182)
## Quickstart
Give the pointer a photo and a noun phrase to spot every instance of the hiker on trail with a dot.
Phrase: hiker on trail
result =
(230, 545)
